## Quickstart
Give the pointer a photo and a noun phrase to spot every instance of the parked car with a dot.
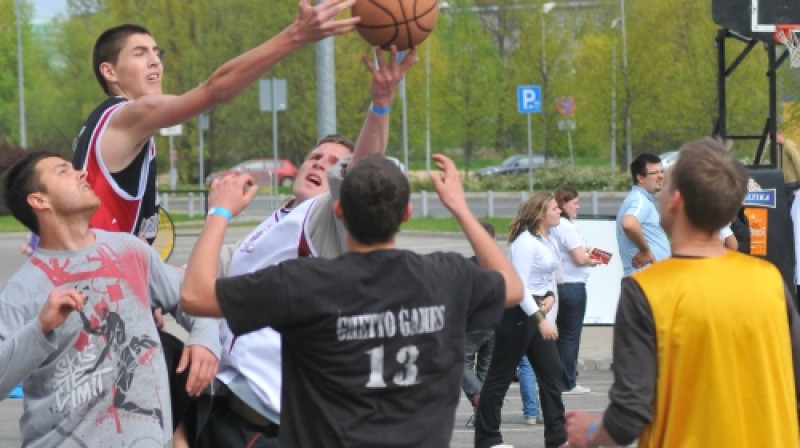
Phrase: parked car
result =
(517, 164)
(262, 171)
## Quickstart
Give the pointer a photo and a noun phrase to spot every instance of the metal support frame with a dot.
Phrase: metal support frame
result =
(723, 72)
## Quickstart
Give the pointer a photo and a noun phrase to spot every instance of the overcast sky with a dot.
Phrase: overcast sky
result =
(46, 9)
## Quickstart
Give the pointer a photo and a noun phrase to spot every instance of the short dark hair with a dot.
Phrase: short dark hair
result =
(712, 182)
(338, 139)
(374, 197)
(639, 165)
(108, 46)
(20, 181)
(564, 194)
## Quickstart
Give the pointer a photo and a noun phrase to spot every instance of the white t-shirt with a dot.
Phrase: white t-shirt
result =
(567, 238)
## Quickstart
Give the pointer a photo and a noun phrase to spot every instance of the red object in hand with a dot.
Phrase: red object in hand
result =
(600, 255)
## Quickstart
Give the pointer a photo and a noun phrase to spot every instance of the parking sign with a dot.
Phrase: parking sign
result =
(529, 99)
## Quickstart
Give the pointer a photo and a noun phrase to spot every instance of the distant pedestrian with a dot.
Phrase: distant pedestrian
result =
(478, 348)
(699, 361)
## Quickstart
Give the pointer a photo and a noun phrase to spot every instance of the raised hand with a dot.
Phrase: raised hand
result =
(448, 184)
(386, 75)
(314, 23)
(234, 191)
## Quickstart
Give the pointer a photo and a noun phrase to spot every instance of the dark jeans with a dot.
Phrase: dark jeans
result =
(214, 424)
(571, 311)
(478, 344)
(516, 335)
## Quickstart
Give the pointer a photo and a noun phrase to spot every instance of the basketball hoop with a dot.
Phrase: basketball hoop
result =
(789, 36)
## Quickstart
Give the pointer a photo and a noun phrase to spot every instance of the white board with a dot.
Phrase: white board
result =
(604, 281)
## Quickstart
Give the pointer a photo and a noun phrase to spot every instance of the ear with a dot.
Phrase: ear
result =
(108, 72)
(409, 210)
(337, 210)
(675, 200)
(37, 201)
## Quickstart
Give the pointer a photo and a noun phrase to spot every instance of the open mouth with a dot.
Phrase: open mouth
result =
(314, 179)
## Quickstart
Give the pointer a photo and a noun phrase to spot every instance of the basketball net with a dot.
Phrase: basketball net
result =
(789, 36)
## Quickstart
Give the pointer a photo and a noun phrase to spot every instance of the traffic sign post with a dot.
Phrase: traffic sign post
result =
(565, 106)
(529, 101)
(170, 132)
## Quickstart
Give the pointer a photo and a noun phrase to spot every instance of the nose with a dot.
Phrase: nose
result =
(82, 174)
(155, 57)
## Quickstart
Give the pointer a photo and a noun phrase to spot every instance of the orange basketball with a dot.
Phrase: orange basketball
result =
(404, 23)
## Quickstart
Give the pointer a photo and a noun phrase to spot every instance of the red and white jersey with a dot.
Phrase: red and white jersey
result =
(128, 199)
(257, 355)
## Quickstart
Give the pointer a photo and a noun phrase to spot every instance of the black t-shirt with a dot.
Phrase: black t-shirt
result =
(372, 342)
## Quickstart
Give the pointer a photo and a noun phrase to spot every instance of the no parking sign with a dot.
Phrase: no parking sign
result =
(565, 106)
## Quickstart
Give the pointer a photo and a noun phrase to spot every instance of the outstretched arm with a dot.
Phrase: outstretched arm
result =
(451, 193)
(133, 124)
(385, 78)
(231, 193)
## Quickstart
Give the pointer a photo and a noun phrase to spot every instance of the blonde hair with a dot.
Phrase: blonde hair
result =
(529, 214)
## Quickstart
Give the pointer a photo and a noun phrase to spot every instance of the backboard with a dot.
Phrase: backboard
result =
(755, 18)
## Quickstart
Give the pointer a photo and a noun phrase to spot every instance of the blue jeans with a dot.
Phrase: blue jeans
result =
(527, 389)
(571, 311)
(477, 344)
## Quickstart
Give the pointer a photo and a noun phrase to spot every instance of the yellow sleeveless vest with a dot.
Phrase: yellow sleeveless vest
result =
(725, 372)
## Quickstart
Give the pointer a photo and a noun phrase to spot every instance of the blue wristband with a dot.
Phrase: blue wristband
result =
(224, 212)
(592, 429)
(379, 110)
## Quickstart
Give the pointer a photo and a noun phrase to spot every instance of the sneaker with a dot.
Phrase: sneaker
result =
(534, 421)
(471, 421)
(577, 390)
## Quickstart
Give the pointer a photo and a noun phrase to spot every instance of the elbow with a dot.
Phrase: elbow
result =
(514, 292)
(190, 301)
(187, 300)
(629, 223)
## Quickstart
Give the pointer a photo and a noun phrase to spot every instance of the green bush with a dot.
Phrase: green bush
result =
(580, 178)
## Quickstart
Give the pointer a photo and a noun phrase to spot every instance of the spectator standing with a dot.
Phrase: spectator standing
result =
(640, 237)
(575, 265)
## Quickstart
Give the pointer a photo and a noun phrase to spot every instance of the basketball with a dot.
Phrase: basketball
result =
(404, 23)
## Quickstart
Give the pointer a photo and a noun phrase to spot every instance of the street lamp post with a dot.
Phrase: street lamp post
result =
(427, 106)
(23, 140)
(628, 150)
(614, 99)
(546, 8)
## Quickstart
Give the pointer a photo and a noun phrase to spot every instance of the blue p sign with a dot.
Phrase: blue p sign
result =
(529, 99)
